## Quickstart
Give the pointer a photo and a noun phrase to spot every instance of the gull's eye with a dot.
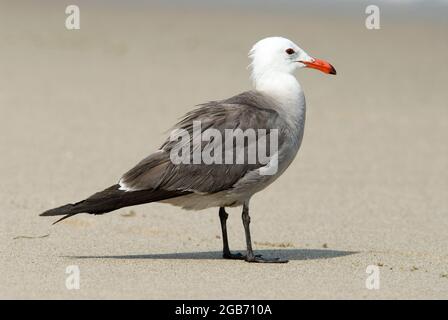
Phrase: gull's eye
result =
(290, 51)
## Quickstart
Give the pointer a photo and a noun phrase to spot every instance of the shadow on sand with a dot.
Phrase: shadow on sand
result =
(289, 254)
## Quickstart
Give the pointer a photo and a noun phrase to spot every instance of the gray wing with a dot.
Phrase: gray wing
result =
(249, 110)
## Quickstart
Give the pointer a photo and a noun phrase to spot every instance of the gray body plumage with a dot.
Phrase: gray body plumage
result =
(219, 184)
(200, 186)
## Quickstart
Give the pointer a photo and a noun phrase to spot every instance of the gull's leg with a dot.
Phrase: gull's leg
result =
(226, 251)
(250, 257)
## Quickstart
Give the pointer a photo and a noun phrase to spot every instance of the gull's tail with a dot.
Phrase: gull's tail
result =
(111, 199)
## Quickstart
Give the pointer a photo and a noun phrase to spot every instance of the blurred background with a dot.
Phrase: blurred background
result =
(80, 107)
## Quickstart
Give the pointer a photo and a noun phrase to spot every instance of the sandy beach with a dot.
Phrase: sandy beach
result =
(369, 185)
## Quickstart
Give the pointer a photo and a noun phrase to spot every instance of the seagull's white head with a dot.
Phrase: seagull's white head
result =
(276, 55)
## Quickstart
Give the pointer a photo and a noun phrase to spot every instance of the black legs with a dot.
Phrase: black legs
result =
(250, 256)
(246, 222)
(225, 242)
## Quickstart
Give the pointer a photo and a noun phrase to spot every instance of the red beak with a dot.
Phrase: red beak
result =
(321, 65)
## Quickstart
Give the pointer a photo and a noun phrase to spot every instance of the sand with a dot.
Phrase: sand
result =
(369, 186)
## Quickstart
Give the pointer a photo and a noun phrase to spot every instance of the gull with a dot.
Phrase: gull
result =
(277, 103)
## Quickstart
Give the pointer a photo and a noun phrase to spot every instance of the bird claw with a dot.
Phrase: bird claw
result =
(260, 259)
(238, 256)
(234, 256)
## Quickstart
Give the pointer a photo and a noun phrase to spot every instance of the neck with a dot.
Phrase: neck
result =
(284, 88)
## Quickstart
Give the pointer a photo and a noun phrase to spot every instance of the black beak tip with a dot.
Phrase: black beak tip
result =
(333, 70)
